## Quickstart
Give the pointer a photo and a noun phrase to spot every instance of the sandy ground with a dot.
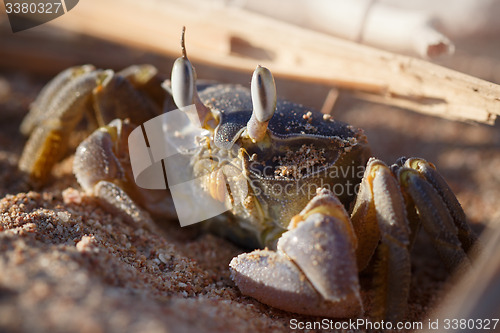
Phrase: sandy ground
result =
(67, 265)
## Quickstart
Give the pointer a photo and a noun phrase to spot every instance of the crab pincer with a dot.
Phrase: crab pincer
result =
(313, 270)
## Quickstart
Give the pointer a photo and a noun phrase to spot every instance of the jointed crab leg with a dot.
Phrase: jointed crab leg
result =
(146, 79)
(435, 203)
(380, 190)
(48, 140)
(426, 169)
(435, 218)
(100, 95)
(102, 167)
(117, 97)
(39, 107)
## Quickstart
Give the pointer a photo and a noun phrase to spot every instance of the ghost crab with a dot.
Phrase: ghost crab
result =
(314, 249)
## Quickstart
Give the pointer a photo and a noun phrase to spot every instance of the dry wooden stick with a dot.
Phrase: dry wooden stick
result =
(240, 40)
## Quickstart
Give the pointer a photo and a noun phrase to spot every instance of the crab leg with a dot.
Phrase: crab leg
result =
(39, 107)
(385, 210)
(435, 218)
(101, 166)
(77, 92)
(117, 97)
(146, 79)
(48, 141)
(428, 170)
(313, 271)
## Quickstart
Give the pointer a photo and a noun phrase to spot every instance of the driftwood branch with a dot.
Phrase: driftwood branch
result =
(239, 40)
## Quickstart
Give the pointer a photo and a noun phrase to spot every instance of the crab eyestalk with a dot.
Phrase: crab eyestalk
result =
(263, 90)
(183, 83)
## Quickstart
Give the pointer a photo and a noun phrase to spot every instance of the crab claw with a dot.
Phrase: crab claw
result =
(314, 269)
(263, 102)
